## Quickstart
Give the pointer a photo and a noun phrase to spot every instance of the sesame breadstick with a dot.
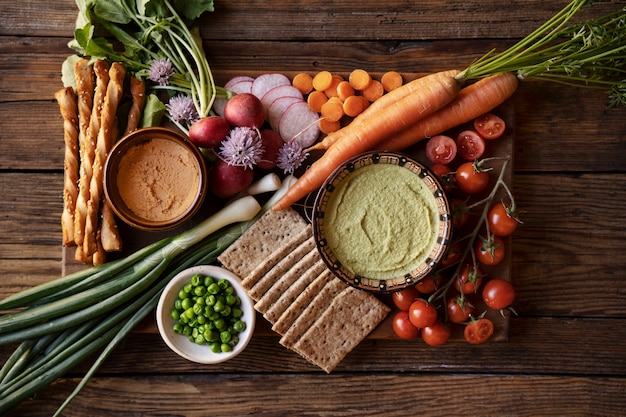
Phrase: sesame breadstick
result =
(68, 107)
(138, 93)
(106, 138)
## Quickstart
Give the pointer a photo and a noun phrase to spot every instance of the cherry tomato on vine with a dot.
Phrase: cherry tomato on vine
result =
(436, 335)
(402, 326)
(441, 149)
(429, 284)
(422, 314)
(478, 331)
(443, 172)
(498, 293)
(489, 126)
(469, 280)
(459, 213)
(501, 219)
(452, 255)
(458, 309)
(470, 178)
(489, 251)
(404, 298)
(470, 145)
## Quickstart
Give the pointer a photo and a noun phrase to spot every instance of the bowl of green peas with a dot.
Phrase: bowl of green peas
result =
(205, 315)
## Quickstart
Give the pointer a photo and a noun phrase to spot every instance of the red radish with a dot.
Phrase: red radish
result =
(244, 110)
(277, 108)
(272, 142)
(226, 180)
(264, 83)
(238, 85)
(209, 132)
(299, 123)
(278, 92)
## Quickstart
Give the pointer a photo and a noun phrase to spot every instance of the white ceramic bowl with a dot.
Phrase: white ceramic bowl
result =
(180, 343)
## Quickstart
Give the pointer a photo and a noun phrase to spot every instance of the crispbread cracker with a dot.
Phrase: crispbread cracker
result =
(263, 284)
(282, 250)
(286, 299)
(256, 244)
(291, 313)
(352, 315)
(316, 308)
(286, 281)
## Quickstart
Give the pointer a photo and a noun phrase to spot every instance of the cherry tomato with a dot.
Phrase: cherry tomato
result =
(498, 293)
(436, 335)
(429, 284)
(469, 280)
(452, 255)
(489, 126)
(404, 298)
(402, 326)
(501, 219)
(422, 313)
(459, 213)
(478, 331)
(459, 309)
(489, 251)
(470, 145)
(470, 178)
(441, 149)
(444, 173)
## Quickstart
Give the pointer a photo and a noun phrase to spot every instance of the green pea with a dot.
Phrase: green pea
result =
(186, 303)
(198, 309)
(226, 311)
(231, 299)
(178, 328)
(210, 300)
(190, 313)
(196, 279)
(182, 294)
(225, 336)
(220, 324)
(237, 313)
(216, 347)
(187, 330)
(239, 326)
(223, 283)
(199, 291)
(199, 339)
(225, 347)
(211, 336)
(208, 280)
(188, 288)
(219, 306)
(213, 288)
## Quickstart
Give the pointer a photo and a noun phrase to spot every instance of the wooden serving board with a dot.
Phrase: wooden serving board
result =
(134, 239)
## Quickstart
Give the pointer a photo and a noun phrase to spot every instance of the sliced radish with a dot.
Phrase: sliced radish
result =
(299, 123)
(278, 107)
(236, 80)
(278, 92)
(264, 83)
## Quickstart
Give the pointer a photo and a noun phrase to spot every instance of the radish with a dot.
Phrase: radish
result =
(272, 142)
(238, 85)
(209, 132)
(278, 92)
(226, 180)
(299, 123)
(278, 107)
(245, 110)
(264, 83)
(238, 79)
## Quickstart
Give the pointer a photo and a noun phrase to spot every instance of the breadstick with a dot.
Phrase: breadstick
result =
(138, 92)
(109, 236)
(68, 107)
(85, 89)
(106, 138)
(99, 256)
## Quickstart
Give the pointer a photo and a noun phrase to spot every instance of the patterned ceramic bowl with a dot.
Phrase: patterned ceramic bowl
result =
(382, 221)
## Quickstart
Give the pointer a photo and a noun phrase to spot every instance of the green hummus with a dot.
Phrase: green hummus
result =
(381, 221)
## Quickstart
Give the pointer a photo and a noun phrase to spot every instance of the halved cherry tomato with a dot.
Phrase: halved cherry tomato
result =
(478, 331)
(469, 280)
(470, 178)
(470, 145)
(436, 335)
(441, 149)
(459, 309)
(498, 293)
(489, 126)
(402, 326)
(501, 219)
(404, 298)
(422, 313)
(489, 250)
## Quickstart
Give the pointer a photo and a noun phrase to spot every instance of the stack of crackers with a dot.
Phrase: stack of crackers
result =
(317, 315)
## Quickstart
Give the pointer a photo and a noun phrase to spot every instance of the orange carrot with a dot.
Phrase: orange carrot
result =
(379, 105)
(355, 105)
(472, 101)
(328, 126)
(331, 91)
(391, 80)
(437, 92)
(359, 79)
(344, 90)
(316, 100)
(303, 82)
(332, 110)
(322, 80)
(373, 91)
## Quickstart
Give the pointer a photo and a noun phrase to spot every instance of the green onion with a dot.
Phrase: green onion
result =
(57, 333)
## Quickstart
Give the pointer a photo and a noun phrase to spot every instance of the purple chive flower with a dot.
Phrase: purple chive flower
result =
(182, 109)
(290, 157)
(161, 70)
(242, 147)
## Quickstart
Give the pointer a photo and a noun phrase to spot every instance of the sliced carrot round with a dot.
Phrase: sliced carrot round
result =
(322, 80)
(360, 79)
(374, 91)
(391, 80)
(344, 90)
(354, 105)
(316, 100)
(303, 82)
(328, 126)
(332, 110)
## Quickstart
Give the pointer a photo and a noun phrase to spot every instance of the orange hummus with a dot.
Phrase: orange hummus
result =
(158, 179)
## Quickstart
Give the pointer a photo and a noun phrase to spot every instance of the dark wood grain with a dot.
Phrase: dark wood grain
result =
(566, 348)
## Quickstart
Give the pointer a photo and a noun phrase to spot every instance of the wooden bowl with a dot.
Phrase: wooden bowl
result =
(382, 221)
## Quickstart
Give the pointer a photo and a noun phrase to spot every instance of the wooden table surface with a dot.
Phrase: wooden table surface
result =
(566, 353)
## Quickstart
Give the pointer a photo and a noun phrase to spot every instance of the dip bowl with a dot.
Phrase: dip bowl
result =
(382, 221)
(179, 343)
(155, 179)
